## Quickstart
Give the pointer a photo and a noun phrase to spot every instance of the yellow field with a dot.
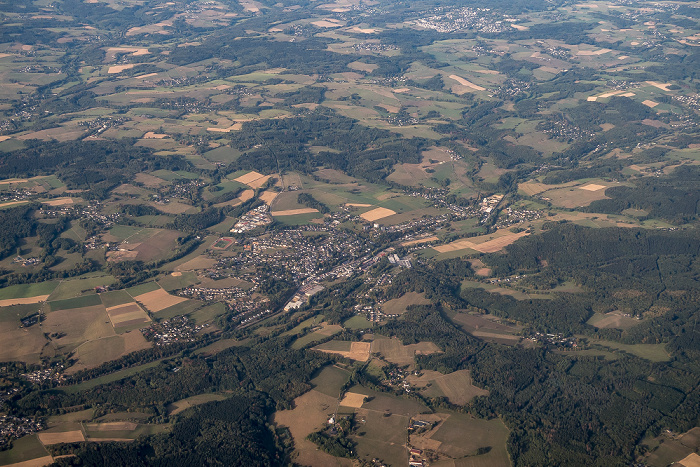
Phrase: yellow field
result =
(268, 197)
(376, 214)
(489, 246)
(292, 212)
(593, 187)
(649, 103)
(119, 68)
(353, 399)
(466, 83)
(158, 300)
(249, 177)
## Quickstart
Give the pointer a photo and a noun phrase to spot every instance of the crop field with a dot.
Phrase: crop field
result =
(679, 449)
(78, 302)
(384, 437)
(129, 314)
(178, 280)
(398, 305)
(158, 300)
(358, 322)
(485, 244)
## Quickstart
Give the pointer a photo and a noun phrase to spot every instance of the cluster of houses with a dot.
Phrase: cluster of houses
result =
(253, 219)
(16, 427)
(174, 330)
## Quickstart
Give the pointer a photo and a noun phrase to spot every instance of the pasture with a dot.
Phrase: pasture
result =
(397, 306)
(358, 351)
(26, 449)
(330, 380)
(311, 412)
(394, 351)
(614, 319)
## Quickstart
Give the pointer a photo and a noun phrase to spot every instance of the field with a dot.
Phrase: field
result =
(24, 450)
(488, 328)
(311, 412)
(96, 352)
(652, 352)
(184, 404)
(158, 300)
(75, 436)
(392, 350)
(352, 399)
(353, 350)
(398, 306)
(459, 435)
(614, 319)
(116, 376)
(665, 449)
(76, 287)
(485, 244)
(127, 315)
(28, 342)
(330, 380)
(34, 292)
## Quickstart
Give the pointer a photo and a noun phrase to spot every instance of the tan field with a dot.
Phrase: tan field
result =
(376, 214)
(249, 177)
(268, 197)
(112, 426)
(152, 135)
(691, 460)
(23, 301)
(469, 84)
(593, 187)
(158, 300)
(255, 184)
(135, 51)
(58, 201)
(12, 203)
(353, 399)
(119, 68)
(246, 195)
(149, 181)
(292, 212)
(4, 138)
(358, 205)
(649, 103)
(359, 351)
(420, 240)
(235, 127)
(593, 52)
(11, 180)
(329, 23)
(363, 31)
(75, 436)
(662, 86)
(489, 246)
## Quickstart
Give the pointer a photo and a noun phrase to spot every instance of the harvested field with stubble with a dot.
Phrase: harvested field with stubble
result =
(358, 351)
(127, 314)
(353, 399)
(23, 301)
(78, 325)
(490, 245)
(376, 214)
(293, 212)
(158, 300)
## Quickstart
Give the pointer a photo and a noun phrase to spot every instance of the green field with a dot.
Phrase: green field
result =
(116, 376)
(78, 302)
(76, 287)
(143, 288)
(330, 380)
(28, 290)
(114, 298)
(358, 322)
(23, 449)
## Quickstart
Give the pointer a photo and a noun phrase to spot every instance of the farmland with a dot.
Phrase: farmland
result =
(459, 228)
